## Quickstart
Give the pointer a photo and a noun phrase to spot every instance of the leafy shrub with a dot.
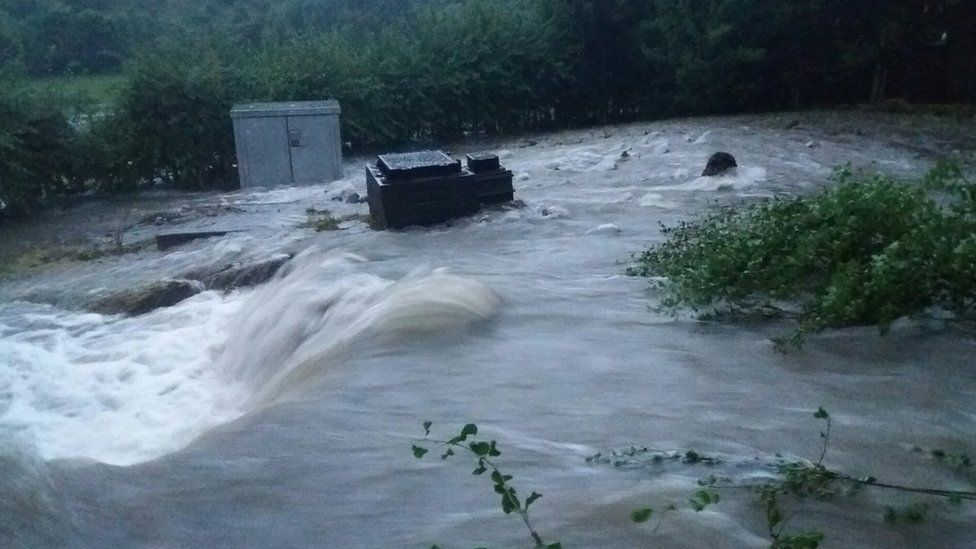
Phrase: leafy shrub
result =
(173, 121)
(472, 66)
(866, 251)
(36, 152)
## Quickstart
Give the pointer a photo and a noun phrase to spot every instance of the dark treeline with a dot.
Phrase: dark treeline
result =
(438, 69)
(57, 37)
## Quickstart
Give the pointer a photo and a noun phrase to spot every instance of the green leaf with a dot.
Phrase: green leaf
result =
(554, 546)
(419, 452)
(702, 499)
(448, 453)
(468, 430)
(481, 467)
(427, 425)
(494, 452)
(821, 413)
(531, 499)
(509, 501)
(481, 449)
(641, 515)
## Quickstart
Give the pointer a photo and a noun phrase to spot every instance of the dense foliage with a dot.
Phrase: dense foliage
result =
(867, 250)
(435, 69)
(54, 37)
(37, 152)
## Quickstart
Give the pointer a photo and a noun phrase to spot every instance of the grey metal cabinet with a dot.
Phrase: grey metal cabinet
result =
(287, 143)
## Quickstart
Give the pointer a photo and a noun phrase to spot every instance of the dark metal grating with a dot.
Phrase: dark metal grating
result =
(417, 165)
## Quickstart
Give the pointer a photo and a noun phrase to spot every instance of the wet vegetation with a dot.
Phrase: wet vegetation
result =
(793, 481)
(21, 261)
(324, 221)
(427, 69)
(484, 452)
(865, 251)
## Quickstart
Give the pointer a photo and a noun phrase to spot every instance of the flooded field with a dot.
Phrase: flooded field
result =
(283, 415)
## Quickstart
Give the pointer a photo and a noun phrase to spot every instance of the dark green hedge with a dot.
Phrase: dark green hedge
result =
(38, 149)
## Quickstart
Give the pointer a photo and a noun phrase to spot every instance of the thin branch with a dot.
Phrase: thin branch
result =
(929, 491)
(823, 451)
(524, 513)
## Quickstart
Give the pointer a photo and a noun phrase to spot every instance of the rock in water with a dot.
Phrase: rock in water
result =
(167, 241)
(718, 164)
(240, 275)
(157, 295)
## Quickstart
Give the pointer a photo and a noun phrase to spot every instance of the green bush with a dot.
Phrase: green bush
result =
(173, 119)
(37, 151)
(867, 250)
(471, 66)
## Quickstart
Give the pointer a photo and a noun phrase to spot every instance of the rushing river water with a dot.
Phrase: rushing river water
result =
(283, 416)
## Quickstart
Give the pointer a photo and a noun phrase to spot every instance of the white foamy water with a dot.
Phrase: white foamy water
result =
(304, 323)
(125, 390)
(112, 389)
(736, 179)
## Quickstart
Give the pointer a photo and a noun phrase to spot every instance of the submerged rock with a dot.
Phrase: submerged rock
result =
(718, 164)
(170, 240)
(157, 295)
(241, 275)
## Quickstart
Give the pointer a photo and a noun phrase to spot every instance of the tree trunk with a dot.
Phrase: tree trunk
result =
(879, 84)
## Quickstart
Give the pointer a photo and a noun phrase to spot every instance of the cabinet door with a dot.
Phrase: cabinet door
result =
(313, 142)
(267, 152)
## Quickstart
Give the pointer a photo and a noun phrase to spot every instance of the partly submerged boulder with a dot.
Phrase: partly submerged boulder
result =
(139, 301)
(170, 240)
(718, 164)
(240, 275)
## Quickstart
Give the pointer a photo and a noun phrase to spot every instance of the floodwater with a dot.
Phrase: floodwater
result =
(283, 415)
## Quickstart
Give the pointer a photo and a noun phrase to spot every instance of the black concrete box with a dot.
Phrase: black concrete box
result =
(483, 162)
(402, 191)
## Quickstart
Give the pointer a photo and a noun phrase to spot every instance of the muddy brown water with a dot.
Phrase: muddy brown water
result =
(283, 415)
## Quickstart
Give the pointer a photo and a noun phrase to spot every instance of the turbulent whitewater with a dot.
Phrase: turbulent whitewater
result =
(123, 390)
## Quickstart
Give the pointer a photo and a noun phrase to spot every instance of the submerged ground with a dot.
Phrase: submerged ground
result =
(283, 415)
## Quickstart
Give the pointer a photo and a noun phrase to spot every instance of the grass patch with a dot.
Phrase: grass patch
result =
(324, 221)
(38, 256)
(865, 251)
(85, 90)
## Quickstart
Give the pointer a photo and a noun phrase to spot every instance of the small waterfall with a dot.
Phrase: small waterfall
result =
(324, 307)
(128, 390)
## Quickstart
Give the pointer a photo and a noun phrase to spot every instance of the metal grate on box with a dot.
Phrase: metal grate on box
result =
(417, 164)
